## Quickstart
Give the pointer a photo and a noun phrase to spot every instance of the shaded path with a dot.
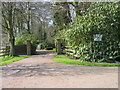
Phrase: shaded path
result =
(40, 71)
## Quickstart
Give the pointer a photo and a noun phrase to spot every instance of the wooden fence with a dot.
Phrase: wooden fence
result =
(71, 52)
(4, 51)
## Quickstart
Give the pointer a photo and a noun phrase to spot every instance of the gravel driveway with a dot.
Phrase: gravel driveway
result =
(40, 71)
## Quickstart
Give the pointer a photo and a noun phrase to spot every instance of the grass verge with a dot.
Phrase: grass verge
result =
(54, 49)
(64, 59)
(8, 59)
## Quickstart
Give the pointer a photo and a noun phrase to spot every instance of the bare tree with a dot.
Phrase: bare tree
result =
(8, 12)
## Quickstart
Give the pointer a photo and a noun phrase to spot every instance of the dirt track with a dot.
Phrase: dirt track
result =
(40, 71)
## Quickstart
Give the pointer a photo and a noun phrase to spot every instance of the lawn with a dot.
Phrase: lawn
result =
(65, 59)
(8, 59)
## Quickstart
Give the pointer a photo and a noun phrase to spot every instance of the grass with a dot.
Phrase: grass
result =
(64, 59)
(54, 49)
(7, 60)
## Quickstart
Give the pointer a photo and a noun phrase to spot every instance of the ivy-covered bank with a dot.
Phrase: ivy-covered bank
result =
(95, 36)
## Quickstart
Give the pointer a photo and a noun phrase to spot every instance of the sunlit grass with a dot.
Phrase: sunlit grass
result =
(64, 59)
(9, 59)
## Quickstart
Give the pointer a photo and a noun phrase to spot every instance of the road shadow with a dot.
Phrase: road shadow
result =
(54, 69)
(43, 52)
(51, 68)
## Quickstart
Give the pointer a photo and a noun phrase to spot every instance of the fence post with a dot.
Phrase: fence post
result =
(28, 47)
(7, 50)
(59, 47)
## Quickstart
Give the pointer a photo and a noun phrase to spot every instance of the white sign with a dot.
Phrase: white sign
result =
(97, 37)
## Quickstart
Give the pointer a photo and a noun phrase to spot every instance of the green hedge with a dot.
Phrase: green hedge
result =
(100, 18)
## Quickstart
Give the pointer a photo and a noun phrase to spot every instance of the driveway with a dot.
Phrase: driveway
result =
(40, 71)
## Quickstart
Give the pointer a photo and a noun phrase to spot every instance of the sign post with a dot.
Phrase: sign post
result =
(98, 37)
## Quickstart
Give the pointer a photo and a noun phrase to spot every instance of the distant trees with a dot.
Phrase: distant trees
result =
(21, 18)
(80, 7)
(62, 15)
(16, 16)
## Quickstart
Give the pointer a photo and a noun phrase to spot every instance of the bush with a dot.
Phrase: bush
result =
(101, 18)
(22, 40)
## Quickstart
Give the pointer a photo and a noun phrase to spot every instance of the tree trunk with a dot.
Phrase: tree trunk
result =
(11, 31)
(28, 17)
(12, 46)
